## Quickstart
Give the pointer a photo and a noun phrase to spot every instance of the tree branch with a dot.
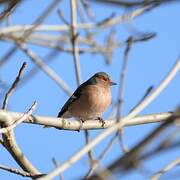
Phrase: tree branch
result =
(20, 172)
(113, 21)
(20, 120)
(9, 141)
(13, 87)
(166, 169)
(66, 124)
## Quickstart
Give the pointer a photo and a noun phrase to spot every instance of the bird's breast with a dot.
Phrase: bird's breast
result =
(100, 99)
(93, 101)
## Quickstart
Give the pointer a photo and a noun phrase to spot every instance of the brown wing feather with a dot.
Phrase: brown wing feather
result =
(75, 96)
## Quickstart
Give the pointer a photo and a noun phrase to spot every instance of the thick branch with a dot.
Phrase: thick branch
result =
(90, 124)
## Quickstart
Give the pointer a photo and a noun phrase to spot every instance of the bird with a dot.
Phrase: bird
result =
(90, 99)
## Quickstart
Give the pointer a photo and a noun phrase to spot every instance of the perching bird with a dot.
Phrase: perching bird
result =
(90, 99)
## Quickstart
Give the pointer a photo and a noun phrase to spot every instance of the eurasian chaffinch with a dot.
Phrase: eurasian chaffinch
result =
(90, 99)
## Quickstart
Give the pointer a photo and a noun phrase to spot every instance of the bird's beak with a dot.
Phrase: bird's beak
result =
(112, 83)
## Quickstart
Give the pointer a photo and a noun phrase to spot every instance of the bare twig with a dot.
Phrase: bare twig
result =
(123, 73)
(20, 172)
(34, 70)
(97, 162)
(11, 5)
(20, 120)
(56, 163)
(88, 10)
(36, 59)
(61, 15)
(90, 153)
(167, 168)
(12, 88)
(74, 42)
(148, 91)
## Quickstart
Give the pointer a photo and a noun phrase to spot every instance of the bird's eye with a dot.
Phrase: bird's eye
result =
(104, 79)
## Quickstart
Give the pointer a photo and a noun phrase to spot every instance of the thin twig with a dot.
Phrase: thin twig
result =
(87, 10)
(74, 37)
(61, 15)
(11, 5)
(12, 88)
(123, 73)
(167, 168)
(97, 162)
(56, 163)
(147, 93)
(34, 70)
(90, 153)
(45, 68)
(20, 120)
(20, 172)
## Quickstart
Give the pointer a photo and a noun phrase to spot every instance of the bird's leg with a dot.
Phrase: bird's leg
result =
(101, 121)
(81, 123)
(82, 120)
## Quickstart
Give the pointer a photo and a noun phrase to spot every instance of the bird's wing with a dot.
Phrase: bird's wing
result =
(73, 98)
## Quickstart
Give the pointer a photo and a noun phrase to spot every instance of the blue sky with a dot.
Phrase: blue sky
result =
(148, 64)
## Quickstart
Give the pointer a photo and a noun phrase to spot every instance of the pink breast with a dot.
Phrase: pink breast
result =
(92, 103)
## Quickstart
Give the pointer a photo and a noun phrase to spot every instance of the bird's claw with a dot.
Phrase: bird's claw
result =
(101, 121)
(81, 123)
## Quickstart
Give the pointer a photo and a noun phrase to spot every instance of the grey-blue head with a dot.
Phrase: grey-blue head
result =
(101, 78)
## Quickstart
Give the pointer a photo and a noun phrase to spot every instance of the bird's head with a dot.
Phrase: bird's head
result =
(103, 78)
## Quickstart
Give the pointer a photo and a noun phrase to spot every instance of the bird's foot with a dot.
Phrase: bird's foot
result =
(101, 121)
(82, 121)
(81, 124)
